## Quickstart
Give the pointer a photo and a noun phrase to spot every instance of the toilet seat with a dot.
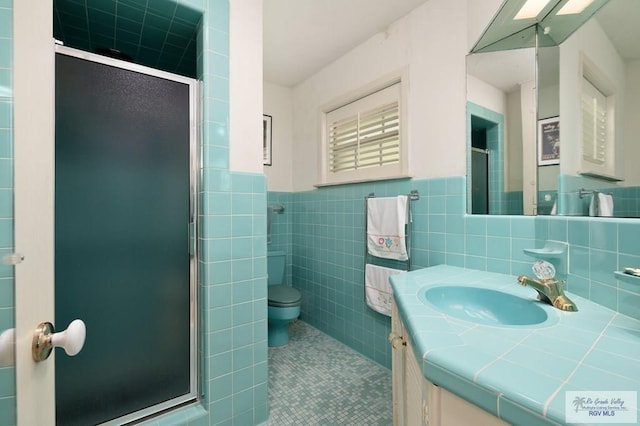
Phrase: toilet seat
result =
(283, 296)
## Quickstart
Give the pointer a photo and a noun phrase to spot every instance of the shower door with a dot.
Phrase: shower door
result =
(124, 196)
(122, 253)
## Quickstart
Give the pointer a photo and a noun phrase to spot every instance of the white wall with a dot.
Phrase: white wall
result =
(430, 44)
(479, 14)
(482, 93)
(278, 104)
(513, 142)
(245, 86)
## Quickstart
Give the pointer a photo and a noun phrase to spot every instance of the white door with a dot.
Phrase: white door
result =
(34, 158)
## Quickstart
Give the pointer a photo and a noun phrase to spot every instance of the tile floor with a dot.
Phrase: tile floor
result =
(316, 380)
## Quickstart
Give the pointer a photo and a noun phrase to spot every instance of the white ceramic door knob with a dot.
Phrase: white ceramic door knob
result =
(71, 340)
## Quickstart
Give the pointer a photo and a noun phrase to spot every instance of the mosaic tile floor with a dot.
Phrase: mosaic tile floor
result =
(316, 380)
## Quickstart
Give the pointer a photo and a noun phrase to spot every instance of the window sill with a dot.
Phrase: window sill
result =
(348, 182)
(601, 176)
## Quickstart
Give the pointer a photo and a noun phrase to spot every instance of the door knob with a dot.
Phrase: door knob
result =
(396, 340)
(71, 339)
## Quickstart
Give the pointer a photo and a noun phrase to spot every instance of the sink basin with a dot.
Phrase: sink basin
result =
(484, 306)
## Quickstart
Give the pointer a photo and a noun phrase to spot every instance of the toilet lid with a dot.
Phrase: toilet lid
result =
(283, 296)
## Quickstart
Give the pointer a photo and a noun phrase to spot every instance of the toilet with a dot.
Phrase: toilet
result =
(284, 300)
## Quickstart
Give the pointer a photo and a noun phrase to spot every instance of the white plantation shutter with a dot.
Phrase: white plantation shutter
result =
(594, 124)
(365, 134)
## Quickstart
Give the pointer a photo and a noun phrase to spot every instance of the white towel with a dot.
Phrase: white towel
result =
(554, 209)
(386, 219)
(605, 204)
(593, 205)
(377, 288)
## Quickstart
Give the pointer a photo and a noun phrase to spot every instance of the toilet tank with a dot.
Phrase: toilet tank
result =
(276, 266)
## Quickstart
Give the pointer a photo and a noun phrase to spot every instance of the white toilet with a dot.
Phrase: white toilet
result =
(284, 300)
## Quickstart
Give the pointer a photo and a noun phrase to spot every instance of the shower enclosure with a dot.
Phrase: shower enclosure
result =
(126, 167)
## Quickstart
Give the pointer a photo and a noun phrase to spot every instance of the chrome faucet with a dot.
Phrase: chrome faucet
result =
(548, 287)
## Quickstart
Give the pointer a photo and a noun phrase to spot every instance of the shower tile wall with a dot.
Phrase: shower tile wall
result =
(7, 374)
(159, 34)
(327, 243)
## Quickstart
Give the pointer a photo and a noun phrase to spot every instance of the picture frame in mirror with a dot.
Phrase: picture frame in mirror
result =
(549, 141)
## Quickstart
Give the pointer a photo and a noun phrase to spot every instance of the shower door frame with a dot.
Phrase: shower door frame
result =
(191, 227)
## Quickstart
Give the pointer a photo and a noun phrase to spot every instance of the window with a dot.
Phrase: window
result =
(363, 139)
(597, 112)
(594, 124)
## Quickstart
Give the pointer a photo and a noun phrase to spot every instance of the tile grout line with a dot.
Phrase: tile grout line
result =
(499, 357)
(555, 393)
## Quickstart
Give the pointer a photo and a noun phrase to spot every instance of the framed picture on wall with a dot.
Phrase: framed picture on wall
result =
(266, 139)
(549, 141)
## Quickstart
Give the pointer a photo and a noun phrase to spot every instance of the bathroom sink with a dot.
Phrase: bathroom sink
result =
(483, 306)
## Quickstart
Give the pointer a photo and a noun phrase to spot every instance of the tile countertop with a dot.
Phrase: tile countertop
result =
(518, 373)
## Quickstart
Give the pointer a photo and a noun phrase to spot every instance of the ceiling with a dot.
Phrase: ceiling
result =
(159, 33)
(303, 36)
(619, 19)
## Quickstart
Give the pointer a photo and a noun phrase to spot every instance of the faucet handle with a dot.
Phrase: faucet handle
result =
(543, 270)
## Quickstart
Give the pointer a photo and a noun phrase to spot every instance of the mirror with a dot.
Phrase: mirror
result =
(526, 176)
(603, 54)
(500, 119)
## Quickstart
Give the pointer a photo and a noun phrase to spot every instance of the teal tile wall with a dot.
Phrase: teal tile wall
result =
(328, 251)
(513, 202)
(234, 293)
(7, 374)
(233, 250)
(327, 243)
(328, 264)
(597, 248)
(6, 51)
(626, 200)
(282, 227)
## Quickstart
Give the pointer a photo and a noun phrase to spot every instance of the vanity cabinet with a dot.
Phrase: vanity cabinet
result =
(416, 401)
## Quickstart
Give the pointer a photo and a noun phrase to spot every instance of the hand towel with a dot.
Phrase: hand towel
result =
(605, 204)
(377, 288)
(593, 205)
(554, 209)
(386, 220)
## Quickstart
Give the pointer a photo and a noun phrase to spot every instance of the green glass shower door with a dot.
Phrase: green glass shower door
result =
(122, 258)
